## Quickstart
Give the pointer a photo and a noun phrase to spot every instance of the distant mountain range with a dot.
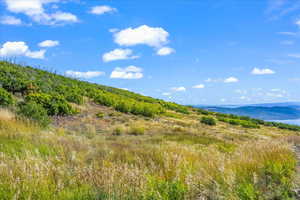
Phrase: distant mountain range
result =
(267, 111)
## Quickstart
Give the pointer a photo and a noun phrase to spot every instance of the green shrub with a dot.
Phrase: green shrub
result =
(6, 98)
(35, 112)
(175, 107)
(208, 121)
(247, 191)
(100, 115)
(75, 98)
(244, 123)
(54, 104)
(248, 124)
(233, 122)
(104, 99)
(223, 119)
(123, 106)
(118, 131)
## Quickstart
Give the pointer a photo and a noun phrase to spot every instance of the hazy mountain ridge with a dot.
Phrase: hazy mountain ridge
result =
(268, 111)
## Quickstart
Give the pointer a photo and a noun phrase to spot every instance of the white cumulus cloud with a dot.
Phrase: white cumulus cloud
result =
(130, 72)
(100, 10)
(200, 86)
(178, 89)
(49, 43)
(257, 71)
(36, 54)
(151, 36)
(10, 20)
(118, 54)
(165, 51)
(11, 49)
(35, 10)
(86, 75)
(231, 80)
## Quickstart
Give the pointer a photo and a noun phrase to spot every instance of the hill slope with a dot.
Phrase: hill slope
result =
(62, 138)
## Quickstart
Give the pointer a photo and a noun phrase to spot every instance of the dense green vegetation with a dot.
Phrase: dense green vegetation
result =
(55, 93)
(6, 99)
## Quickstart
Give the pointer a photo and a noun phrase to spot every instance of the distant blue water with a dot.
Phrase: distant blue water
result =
(293, 121)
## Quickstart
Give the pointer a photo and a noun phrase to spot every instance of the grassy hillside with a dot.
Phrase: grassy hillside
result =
(62, 138)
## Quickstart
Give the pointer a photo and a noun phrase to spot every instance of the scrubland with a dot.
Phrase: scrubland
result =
(66, 139)
(161, 158)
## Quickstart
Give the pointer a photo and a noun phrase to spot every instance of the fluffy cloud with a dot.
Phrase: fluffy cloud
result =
(165, 51)
(151, 36)
(36, 54)
(49, 43)
(10, 49)
(86, 75)
(200, 86)
(100, 10)
(231, 80)
(130, 72)
(166, 94)
(36, 11)
(10, 20)
(118, 54)
(257, 71)
(178, 89)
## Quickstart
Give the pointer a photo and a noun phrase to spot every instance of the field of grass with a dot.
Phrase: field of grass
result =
(87, 141)
(160, 158)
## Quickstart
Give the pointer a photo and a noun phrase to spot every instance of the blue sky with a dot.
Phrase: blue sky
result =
(187, 51)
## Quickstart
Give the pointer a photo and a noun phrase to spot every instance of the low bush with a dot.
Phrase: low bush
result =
(6, 98)
(248, 124)
(75, 98)
(236, 122)
(100, 115)
(208, 121)
(54, 104)
(35, 112)
(118, 131)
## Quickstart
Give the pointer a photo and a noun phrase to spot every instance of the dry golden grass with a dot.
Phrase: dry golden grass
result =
(172, 159)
